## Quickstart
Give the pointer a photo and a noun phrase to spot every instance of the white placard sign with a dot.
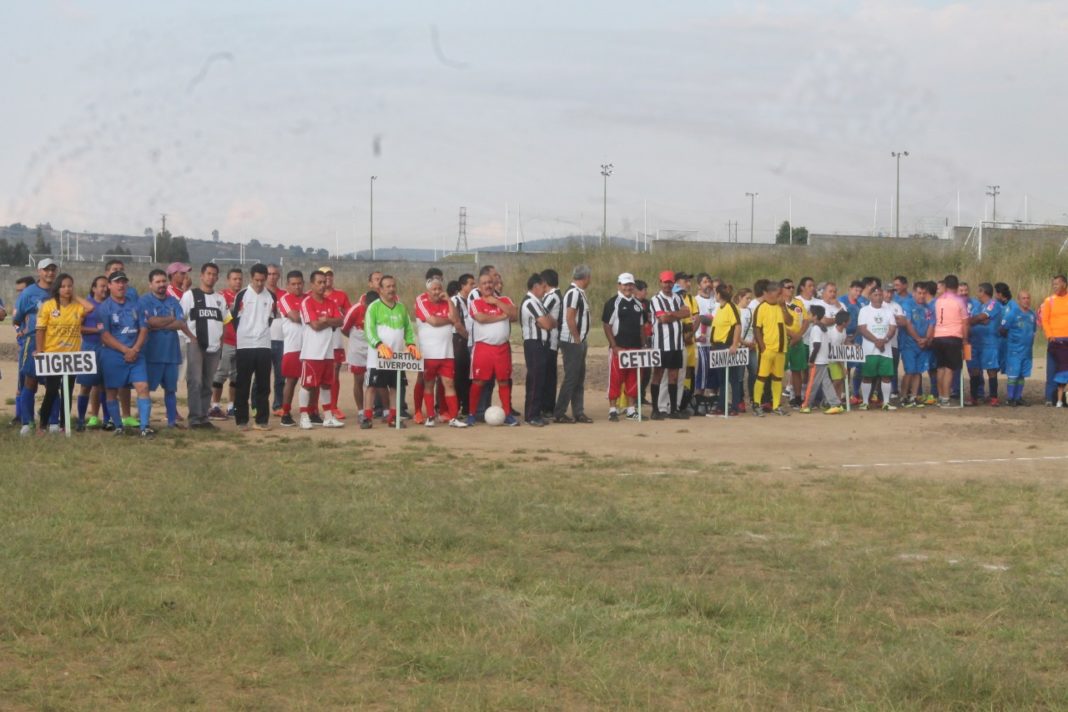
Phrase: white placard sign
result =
(845, 352)
(400, 362)
(639, 358)
(66, 363)
(722, 358)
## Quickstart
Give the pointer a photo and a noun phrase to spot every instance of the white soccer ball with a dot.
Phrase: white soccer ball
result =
(494, 415)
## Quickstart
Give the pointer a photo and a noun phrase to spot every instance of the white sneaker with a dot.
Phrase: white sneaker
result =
(431, 421)
(305, 422)
(457, 423)
(26, 430)
(331, 421)
(54, 429)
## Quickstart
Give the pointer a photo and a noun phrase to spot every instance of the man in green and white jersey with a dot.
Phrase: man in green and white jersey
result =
(389, 330)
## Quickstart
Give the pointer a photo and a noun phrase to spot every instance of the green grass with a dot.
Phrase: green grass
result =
(162, 575)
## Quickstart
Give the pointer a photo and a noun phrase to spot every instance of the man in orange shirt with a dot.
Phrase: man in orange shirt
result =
(950, 337)
(1054, 316)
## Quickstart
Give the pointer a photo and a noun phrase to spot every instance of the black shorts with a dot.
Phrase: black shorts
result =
(672, 360)
(949, 352)
(384, 379)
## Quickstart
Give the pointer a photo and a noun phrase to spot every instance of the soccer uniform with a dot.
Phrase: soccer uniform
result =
(339, 298)
(292, 334)
(435, 342)
(703, 376)
(62, 325)
(726, 321)
(819, 375)
(491, 355)
(1020, 338)
(626, 318)
(878, 363)
(26, 312)
(854, 314)
(535, 354)
(989, 356)
(390, 326)
(91, 342)
(317, 347)
(124, 322)
(916, 360)
(797, 354)
(769, 318)
(667, 336)
(162, 349)
(356, 351)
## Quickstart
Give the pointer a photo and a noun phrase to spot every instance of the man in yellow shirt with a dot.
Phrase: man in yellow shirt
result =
(771, 322)
(1054, 317)
(682, 288)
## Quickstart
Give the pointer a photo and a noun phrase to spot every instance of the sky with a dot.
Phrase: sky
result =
(266, 119)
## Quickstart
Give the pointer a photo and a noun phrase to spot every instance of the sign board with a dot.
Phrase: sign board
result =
(66, 363)
(639, 358)
(400, 362)
(722, 358)
(845, 352)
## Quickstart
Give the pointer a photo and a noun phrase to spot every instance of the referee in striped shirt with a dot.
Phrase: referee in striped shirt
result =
(573, 344)
(537, 325)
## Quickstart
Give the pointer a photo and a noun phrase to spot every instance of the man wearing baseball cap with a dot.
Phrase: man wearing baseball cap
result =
(26, 307)
(667, 315)
(176, 274)
(122, 361)
(623, 319)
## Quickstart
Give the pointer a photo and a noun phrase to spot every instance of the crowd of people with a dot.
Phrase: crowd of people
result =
(271, 341)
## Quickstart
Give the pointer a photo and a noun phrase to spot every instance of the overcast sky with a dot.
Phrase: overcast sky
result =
(261, 118)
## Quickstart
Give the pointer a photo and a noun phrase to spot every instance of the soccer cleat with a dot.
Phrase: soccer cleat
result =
(930, 400)
(862, 406)
(613, 416)
(26, 430)
(54, 429)
(1060, 404)
(130, 422)
(338, 414)
(431, 422)
(118, 431)
(108, 427)
(804, 410)
(1022, 403)
(587, 419)
(147, 433)
(511, 421)
(367, 424)
(278, 412)
(457, 423)
(536, 423)
(758, 412)
(92, 422)
(287, 421)
(305, 421)
(834, 410)
(970, 402)
(780, 411)
(676, 415)
(216, 413)
(855, 400)
(657, 415)
(887, 406)
(563, 419)
(994, 403)
(316, 419)
(419, 417)
(631, 415)
(230, 411)
(393, 424)
(79, 427)
(331, 421)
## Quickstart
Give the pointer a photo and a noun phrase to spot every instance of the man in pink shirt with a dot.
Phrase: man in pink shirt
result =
(950, 337)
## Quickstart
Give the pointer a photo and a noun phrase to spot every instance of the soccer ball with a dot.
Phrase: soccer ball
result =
(494, 415)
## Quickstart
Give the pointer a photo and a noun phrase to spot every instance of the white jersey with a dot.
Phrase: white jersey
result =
(317, 345)
(706, 306)
(292, 331)
(435, 342)
(878, 320)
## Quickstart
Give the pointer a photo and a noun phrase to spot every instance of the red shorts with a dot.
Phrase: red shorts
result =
(358, 370)
(434, 367)
(317, 374)
(291, 365)
(491, 361)
(339, 355)
(621, 379)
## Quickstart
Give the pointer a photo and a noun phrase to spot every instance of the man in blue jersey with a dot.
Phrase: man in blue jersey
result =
(1018, 327)
(1004, 296)
(29, 301)
(91, 384)
(164, 317)
(121, 359)
(20, 284)
(853, 301)
(916, 335)
(985, 347)
(111, 267)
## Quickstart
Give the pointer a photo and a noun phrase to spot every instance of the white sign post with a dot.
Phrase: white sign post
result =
(400, 363)
(63, 364)
(846, 353)
(639, 359)
(725, 359)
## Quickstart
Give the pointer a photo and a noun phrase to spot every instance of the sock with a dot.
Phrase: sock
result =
(630, 410)
(673, 397)
(326, 392)
(428, 400)
(686, 397)
(333, 392)
(857, 381)
(758, 392)
(476, 394)
(440, 398)
(286, 407)
(865, 391)
(776, 394)
(419, 396)
(975, 382)
(392, 415)
(654, 396)
(993, 386)
(27, 397)
(505, 392)
(216, 404)
(313, 401)
(612, 408)
(144, 409)
(83, 406)
(452, 405)
(170, 401)
(368, 414)
(304, 399)
(113, 411)
(886, 388)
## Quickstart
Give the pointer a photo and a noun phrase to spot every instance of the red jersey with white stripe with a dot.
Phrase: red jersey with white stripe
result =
(338, 297)
(317, 345)
(434, 341)
(229, 335)
(175, 292)
(292, 332)
(495, 333)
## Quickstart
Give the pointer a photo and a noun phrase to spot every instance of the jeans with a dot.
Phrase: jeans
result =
(571, 392)
(199, 370)
(53, 391)
(253, 363)
(535, 353)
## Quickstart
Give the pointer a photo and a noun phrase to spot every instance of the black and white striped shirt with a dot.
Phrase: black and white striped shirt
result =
(555, 306)
(575, 299)
(529, 313)
(667, 336)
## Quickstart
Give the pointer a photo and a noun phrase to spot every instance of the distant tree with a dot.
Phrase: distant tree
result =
(40, 246)
(310, 251)
(322, 254)
(15, 253)
(782, 237)
(280, 246)
(254, 243)
(119, 250)
(18, 227)
(149, 232)
(296, 250)
(214, 235)
(179, 251)
(163, 246)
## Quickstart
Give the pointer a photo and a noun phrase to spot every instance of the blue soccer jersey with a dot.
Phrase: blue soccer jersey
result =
(162, 344)
(91, 341)
(31, 299)
(1020, 327)
(123, 321)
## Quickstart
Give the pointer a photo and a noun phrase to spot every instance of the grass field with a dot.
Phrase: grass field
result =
(199, 572)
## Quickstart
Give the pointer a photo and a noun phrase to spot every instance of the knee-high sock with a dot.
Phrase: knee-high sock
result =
(975, 382)
(53, 417)
(776, 394)
(857, 380)
(170, 402)
(476, 394)
(865, 392)
(428, 400)
(654, 396)
(504, 388)
(26, 401)
(83, 406)
(144, 410)
(115, 412)
(304, 398)
(333, 392)
(673, 397)
(452, 406)
(419, 397)
(885, 386)
(993, 385)
(758, 392)
(326, 392)
(441, 398)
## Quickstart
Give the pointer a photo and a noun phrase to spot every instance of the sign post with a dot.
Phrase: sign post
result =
(845, 354)
(726, 359)
(639, 359)
(400, 363)
(64, 364)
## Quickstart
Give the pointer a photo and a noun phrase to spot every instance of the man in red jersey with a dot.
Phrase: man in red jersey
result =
(338, 297)
(421, 378)
(436, 317)
(292, 337)
(321, 317)
(491, 356)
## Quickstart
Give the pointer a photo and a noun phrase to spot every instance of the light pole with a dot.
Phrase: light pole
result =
(752, 212)
(372, 227)
(897, 200)
(606, 170)
(993, 191)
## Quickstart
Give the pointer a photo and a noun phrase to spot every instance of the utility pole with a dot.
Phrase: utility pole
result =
(897, 200)
(606, 170)
(993, 191)
(155, 240)
(372, 226)
(752, 213)
(461, 236)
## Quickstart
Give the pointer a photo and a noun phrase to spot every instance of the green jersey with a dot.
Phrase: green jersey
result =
(387, 325)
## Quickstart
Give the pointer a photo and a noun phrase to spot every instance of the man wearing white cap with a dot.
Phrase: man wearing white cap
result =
(29, 301)
(623, 319)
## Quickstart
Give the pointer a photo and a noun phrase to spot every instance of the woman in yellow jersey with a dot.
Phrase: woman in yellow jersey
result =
(770, 323)
(727, 334)
(59, 328)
